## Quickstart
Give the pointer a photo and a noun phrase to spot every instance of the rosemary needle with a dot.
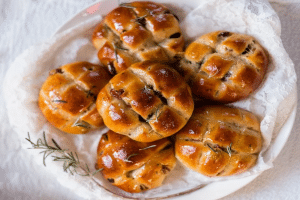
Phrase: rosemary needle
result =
(59, 101)
(99, 170)
(211, 148)
(127, 159)
(147, 147)
(117, 47)
(81, 123)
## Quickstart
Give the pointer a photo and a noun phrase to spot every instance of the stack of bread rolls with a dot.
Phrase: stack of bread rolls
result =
(161, 102)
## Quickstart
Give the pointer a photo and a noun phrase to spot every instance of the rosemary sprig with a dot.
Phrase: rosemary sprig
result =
(130, 156)
(147, 147)
(42, 144)
(70, 162)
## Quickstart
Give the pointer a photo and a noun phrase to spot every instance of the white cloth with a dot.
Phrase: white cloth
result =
(28, 22)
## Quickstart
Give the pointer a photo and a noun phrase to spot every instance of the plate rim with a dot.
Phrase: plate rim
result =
(239, 183)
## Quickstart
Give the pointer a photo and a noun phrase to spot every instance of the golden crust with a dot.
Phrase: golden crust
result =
(146, 102)
(137, 31)
(68, 96)
(219, 141)
(224, 66)
(134, 166)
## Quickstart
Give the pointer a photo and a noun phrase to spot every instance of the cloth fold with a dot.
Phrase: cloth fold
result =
(18, 73)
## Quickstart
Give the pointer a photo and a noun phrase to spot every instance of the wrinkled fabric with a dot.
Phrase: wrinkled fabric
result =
(17, 22)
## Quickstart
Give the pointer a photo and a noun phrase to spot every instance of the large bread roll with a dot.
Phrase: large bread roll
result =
(134, 166)
(137, 31)
(147, 102)
(219, 141)
(224, 66)
(67, 98)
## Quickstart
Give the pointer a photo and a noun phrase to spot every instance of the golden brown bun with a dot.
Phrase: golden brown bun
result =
(147, 102)
(136, 32)
(134, 166)
(224, 66)
(67, 98)
(219, 141)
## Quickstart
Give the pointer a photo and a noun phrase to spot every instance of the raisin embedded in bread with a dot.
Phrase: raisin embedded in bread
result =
(134, 166)
(67, 98)
(224, 66)
(137, 31)
(219, 141)
(147, 102)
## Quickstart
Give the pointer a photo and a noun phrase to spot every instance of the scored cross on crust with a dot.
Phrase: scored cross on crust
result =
(219, 141)
(146, 102)
(224, 66)
(68, 96)
(136, 32)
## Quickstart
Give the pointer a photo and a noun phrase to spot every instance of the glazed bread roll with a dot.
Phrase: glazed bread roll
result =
(68, 96)
(137, 31)
(219, 141)
(134, 166)
(224, 66)
(147, 102)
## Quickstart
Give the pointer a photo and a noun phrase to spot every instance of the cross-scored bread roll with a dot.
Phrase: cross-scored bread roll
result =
(134, 166)
(67, 98)
(224, 66)
(219, 141)
(147, 102)
(137, 31)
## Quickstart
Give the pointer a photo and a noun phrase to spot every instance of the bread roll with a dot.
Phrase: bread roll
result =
(219, 141)
(134, 166)
(67, 98)
(147, 102)
(224, 66)
(137, 31)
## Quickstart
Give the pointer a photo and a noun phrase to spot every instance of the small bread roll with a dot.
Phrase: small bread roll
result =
(67, 98)
(219, 141)
(134, 166)
(147, 102)
(137, 31)
(224, 66)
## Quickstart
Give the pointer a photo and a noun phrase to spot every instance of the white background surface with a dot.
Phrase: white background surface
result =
(24, 23)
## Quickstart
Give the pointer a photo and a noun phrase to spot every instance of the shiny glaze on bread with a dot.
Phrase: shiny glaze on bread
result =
(134, 166)
(223, 66)
(136, 32)
(67, 98)
(146, 102)
(219, 141)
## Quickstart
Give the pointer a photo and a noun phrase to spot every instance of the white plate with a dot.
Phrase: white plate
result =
(214, 190)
